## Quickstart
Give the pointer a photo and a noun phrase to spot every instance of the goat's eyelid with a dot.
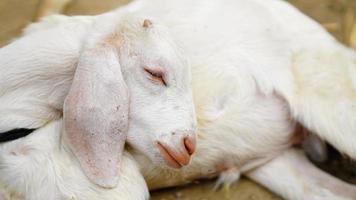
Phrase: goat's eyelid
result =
(157, 75)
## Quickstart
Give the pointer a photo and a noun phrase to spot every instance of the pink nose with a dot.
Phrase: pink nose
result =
(180, 157)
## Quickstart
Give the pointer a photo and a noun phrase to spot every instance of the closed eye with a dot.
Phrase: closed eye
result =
(156, 75)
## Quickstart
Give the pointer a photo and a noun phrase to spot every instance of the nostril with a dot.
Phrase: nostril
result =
(189, 144)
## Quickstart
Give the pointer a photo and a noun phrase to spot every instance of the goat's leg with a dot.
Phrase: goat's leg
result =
(293, 176)
(324, 95)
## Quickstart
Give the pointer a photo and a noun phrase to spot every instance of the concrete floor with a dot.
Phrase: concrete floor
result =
(243, 190)
(338, 16)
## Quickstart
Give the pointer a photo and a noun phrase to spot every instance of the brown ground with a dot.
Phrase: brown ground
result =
(338, 16)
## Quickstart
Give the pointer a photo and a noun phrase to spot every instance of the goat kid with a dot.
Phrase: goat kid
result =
(129, 63)
(252, 81)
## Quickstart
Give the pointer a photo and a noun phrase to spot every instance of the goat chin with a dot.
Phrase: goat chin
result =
(248, 94)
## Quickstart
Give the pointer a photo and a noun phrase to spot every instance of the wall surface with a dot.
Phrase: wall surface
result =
(14, 15)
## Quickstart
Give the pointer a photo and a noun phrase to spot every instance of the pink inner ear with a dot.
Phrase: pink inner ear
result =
(95, 116)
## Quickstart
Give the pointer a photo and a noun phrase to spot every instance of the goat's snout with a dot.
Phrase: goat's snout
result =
(177, 156)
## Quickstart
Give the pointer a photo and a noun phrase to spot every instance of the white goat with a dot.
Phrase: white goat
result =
(127, 55)
(254, 75)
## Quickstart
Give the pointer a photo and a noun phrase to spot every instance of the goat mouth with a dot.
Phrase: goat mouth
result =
(170, 160)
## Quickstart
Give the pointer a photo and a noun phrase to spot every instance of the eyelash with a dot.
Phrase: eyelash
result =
(158, 77)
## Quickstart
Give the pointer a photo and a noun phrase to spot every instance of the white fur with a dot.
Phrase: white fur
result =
(257, 68)
(41, 166)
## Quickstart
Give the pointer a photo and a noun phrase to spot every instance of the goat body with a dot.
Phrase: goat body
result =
(255, 75)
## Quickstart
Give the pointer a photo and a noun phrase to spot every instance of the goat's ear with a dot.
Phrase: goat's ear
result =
(96, 114)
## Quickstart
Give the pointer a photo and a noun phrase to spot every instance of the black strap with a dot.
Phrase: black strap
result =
(15, 134)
